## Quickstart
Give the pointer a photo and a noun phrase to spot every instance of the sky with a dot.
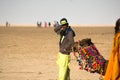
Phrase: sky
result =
(84, 12)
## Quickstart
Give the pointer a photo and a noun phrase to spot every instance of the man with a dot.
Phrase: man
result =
(66, 40)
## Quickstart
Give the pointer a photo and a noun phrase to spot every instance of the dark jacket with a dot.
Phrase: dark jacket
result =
(67, 41)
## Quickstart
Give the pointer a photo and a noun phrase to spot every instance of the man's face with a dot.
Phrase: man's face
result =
(64, 27)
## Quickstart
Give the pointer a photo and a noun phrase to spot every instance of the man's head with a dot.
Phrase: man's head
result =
(64, 23)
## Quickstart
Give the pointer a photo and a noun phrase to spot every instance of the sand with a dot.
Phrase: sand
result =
(30, 53)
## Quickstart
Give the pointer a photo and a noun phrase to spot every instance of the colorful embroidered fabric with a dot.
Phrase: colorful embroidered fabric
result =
(90, 59)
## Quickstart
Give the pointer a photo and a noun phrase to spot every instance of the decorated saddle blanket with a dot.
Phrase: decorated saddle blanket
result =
(89, 58)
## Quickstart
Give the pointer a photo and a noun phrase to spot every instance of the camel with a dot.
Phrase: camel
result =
(88, 56)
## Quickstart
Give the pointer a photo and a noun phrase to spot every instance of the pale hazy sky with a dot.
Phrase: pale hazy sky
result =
(76, 11)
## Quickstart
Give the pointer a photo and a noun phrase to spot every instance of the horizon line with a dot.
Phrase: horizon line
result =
(74, 25)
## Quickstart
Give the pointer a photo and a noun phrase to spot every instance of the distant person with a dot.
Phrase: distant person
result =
(49, 24)
(56, 24)
(66, 40)
(7, 24)
(113, 68)
(40, 24)
(45, 24)
(37, 24)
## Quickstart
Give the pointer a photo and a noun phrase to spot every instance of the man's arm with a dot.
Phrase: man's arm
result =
(57, 29)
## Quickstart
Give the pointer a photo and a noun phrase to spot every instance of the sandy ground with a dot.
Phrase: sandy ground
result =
(31, 53)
